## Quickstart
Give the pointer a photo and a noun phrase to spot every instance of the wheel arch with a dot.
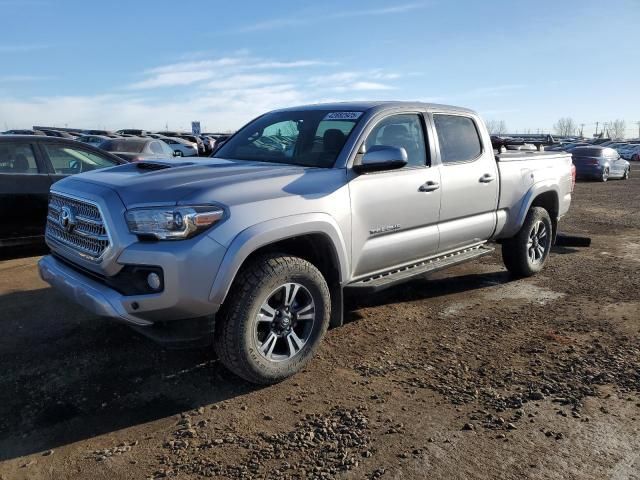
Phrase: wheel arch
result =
(543, 195)
(314, 237)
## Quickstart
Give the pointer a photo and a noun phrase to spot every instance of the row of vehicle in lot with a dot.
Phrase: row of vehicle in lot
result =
(182, 144)
(596, 159)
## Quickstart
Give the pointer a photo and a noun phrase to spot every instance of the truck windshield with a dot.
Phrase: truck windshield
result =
(311, 138)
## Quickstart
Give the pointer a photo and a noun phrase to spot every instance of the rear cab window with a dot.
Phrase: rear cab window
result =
(459, 138)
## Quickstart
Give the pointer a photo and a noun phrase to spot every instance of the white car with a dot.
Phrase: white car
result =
(184, 147)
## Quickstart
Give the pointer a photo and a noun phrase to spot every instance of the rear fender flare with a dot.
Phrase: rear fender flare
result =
(516, 223)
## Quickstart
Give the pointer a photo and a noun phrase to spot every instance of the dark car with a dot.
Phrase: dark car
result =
(29, 165)
(132, 131)
(600, 163)
(138, 149)
(24, 132)
(56, 133)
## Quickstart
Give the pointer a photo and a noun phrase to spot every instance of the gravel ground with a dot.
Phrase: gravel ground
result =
(464, 374)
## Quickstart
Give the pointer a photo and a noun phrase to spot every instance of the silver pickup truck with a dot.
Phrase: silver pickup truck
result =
(255, 246)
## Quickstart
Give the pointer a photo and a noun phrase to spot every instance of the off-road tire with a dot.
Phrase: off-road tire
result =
(515, 252)
(234, 332)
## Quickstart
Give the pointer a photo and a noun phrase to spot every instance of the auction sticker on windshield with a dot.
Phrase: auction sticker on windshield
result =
(343, 116)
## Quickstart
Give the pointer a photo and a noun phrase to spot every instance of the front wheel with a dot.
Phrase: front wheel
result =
(274, 319)
(525, 254)
(626, 174)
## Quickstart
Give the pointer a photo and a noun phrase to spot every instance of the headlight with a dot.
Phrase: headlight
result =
(172, 223)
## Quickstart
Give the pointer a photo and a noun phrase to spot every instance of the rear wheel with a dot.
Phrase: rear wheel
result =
(626, 174)
(605, 175)
(525, 254)
(274, 319)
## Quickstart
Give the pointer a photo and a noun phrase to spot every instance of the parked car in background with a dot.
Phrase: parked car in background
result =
(599, 163)
(139, 149)
(24, 132)
(630, 152)
(195, 139)
(132, 131)
(29, 165)
(57, 133)
(99, 132)
(183, 147)
(94, 140)
(209, 144)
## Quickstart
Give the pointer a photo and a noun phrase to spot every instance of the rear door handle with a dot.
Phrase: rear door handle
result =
(429, 186)
(486, 178)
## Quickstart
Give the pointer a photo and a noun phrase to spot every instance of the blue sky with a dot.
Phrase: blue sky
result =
(141, 63)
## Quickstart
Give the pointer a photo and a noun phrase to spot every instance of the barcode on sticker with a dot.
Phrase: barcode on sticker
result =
(343, 116)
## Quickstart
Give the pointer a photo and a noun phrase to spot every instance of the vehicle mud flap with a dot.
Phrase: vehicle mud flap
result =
(180, 334)
(567, 240)
(337, 306)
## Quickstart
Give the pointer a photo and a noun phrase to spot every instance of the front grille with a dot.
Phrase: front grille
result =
(87, 235)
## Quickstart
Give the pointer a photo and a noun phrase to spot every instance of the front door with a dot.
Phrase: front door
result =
(470, 182)
(394, 217)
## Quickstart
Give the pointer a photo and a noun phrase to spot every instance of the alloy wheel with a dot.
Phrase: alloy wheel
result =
(284, 322)
(537, 244)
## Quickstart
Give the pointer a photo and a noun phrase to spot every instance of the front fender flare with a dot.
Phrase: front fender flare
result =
(271, 231)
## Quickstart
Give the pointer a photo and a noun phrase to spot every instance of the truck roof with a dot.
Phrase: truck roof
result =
(362, 106)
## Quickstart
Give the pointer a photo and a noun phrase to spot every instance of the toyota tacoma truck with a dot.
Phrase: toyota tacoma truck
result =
(255, 246)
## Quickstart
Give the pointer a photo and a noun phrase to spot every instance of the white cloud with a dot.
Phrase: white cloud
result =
(189, 73)
(22, 78)
(307, 17)
(223, 93)
(370, 86)
(21, 48)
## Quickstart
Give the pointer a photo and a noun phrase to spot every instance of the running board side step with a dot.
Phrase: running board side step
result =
(403, 274)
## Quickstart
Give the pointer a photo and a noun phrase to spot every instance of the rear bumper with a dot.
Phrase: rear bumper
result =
(588, 171)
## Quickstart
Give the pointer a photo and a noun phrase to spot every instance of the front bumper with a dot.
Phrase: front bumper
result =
(189, 269)
(84, 291)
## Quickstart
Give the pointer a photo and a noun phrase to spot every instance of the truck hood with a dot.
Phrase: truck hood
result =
(206, 181)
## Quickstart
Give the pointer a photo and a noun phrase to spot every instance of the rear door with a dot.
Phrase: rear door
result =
(24, 191)
(470, 183)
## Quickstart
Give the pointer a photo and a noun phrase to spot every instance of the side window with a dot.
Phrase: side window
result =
(458, 137)
(17, 158)
(68, 160)
(156, 148)
(402, 131)
(166, 149)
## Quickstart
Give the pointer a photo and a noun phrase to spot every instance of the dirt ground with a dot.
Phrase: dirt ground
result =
(464, 374)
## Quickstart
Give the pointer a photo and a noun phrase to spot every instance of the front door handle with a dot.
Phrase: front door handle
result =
(486, 178)
(429, 186)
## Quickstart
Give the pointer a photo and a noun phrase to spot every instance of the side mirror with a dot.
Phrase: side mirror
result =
(382, 157)
(177, 153)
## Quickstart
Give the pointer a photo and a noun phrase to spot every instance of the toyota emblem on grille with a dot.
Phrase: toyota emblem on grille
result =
(67, 219)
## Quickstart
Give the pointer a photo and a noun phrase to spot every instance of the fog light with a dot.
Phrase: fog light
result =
(153, 280)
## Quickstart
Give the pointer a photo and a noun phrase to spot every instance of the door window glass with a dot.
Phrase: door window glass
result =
(156, 148)
(458, 138)
(402, 131)
(17, 158)
(68, 160)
